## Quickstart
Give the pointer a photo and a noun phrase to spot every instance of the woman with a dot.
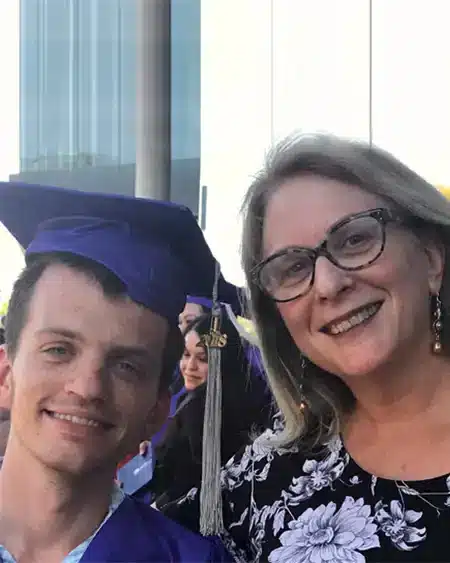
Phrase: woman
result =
(246, 407)
(195, 308)
(344, 252)
(194, 362)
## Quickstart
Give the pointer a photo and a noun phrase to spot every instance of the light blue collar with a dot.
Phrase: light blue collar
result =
(76, 554)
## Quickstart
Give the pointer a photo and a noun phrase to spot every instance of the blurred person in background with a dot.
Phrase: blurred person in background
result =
(246, 405)
(195, 307)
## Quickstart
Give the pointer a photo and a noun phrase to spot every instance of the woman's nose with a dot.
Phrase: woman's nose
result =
(192, 365)
(329, 280)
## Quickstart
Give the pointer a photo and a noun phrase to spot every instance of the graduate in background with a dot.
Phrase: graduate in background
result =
(91, 344)
(246, 408)
(196, 306)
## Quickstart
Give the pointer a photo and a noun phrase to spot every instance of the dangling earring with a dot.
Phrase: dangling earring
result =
(437, 325)
(304, 365)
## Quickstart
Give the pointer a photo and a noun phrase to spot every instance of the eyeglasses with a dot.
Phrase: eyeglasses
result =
(352, 244)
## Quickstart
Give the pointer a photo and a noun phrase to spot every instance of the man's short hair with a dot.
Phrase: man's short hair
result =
(112, 286)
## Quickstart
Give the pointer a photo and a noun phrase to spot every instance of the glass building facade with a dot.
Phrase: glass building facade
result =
(77, 83)
(78, 95)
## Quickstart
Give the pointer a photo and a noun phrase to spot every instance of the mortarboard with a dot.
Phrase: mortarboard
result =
(199, 300)
(235, 298)
(158, 251)
(155, 248)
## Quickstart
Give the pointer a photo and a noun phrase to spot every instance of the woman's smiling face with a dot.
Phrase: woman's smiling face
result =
(194, 362)
(352, 322)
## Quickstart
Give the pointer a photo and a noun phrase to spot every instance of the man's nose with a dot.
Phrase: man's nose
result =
(88, 378)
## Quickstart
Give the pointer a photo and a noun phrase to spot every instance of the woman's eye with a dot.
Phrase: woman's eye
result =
(354, 240)
(296, 267)
(295, 271)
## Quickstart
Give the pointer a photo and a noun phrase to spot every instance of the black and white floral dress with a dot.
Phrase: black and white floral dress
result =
(283, 508)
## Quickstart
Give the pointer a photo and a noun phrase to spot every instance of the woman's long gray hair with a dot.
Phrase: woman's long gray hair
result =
(312, 400)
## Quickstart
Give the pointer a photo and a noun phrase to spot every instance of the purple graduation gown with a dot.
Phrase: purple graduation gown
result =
(137, 533)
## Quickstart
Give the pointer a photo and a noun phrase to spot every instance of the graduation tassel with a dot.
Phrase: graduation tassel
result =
(211, 516)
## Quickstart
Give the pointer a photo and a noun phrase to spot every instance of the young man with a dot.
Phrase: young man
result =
(91, 344)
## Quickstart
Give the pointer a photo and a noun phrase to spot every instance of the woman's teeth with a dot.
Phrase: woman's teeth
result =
(354, 320)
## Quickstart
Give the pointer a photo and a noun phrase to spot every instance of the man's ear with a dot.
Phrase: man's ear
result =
(158, 415)
(6, 387)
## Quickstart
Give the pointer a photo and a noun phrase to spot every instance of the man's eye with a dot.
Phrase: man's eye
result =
(57, 351)
(129, 368)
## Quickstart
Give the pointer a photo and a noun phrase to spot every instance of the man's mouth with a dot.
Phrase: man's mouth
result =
(353, 319)
(79, 420)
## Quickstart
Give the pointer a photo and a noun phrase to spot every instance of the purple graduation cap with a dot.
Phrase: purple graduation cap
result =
(234, 296)
(198, 300)
(155, 248)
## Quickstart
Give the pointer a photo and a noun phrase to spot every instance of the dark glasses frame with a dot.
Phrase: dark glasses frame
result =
(382, 215)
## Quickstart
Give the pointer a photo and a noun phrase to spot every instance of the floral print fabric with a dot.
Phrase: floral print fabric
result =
(284, 508)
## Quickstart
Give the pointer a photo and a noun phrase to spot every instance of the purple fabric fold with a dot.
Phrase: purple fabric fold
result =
(203, 301)
(136, 532)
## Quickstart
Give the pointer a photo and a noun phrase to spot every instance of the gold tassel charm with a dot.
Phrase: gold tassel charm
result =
(215, 338)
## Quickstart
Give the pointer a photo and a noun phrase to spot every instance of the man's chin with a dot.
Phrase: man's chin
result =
(76, 467)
